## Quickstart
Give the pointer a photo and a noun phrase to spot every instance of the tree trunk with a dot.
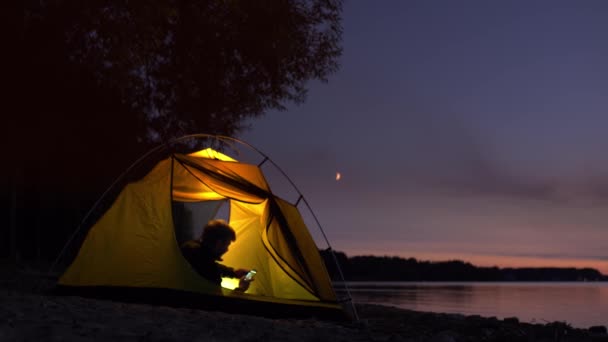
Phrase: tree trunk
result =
(13, 250)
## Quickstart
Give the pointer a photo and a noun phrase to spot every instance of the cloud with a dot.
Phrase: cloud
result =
(451, 158)
(505, 185)
(598, 190)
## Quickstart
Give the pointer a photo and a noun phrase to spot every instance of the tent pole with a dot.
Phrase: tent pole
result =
(266, 158)
(168, 144)
(331, 250)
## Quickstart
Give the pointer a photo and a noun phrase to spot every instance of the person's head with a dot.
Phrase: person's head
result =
(217, 236)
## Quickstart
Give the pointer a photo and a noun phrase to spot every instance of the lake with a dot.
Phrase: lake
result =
(580, 304)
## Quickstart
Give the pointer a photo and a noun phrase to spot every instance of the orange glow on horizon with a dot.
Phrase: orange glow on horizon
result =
(510, 261)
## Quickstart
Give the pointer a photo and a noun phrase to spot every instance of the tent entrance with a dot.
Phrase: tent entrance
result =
(189, 218)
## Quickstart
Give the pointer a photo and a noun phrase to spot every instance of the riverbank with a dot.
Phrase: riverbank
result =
(27, 313)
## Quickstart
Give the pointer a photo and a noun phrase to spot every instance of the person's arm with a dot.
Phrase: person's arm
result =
(232, 273)
(226, 271)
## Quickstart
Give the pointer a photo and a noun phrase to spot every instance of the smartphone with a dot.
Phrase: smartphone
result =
(249, 276)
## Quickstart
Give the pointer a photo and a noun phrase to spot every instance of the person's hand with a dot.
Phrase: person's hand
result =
(243, 285)
(240, 273)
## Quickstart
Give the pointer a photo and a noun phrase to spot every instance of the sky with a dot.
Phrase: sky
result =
(471, 130)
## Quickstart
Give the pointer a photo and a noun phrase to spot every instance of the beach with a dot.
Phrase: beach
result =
(29, 313)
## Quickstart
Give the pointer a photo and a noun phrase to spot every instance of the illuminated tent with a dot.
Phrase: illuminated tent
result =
(132, 251)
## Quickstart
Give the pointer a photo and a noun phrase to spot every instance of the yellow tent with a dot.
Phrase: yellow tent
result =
(133, 252)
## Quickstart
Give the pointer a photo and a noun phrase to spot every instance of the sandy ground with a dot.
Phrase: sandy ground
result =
(27, 313)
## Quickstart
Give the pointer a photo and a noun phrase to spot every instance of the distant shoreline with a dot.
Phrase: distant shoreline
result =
(392, 268)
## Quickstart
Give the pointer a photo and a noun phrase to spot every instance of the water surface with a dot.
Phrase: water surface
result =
(580, 304)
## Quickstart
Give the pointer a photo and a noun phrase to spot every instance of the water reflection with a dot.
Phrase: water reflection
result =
(579, 304)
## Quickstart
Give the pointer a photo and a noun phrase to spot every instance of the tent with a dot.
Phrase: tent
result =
(132, 252)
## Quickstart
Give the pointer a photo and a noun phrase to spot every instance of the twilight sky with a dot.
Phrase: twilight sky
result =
(475, 130)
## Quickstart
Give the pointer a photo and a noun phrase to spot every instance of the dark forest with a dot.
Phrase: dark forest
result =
(387, 268)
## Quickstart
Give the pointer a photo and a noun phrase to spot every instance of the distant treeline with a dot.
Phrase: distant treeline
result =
(386, 268)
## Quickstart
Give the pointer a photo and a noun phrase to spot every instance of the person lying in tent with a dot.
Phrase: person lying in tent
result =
(203, 254)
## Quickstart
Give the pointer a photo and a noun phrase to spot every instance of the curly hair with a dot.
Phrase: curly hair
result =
(217, 230)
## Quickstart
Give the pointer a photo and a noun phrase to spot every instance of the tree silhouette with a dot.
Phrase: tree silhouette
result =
(191, 65)
(386, 268)
(103, 80)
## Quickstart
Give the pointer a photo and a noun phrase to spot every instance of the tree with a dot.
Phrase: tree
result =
(187, 66)
(105, 79)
